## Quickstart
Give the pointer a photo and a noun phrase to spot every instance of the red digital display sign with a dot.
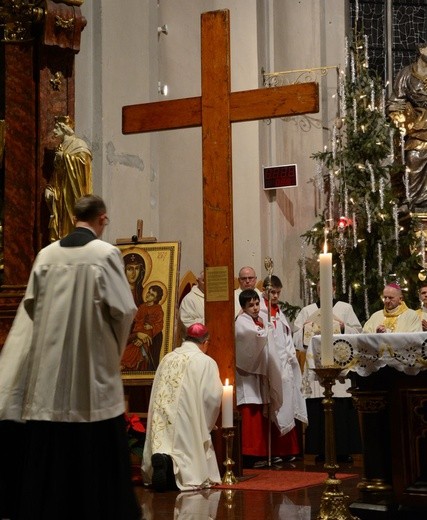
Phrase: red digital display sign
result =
(283, 176)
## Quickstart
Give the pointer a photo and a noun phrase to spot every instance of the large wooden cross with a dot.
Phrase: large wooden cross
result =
(214, 111)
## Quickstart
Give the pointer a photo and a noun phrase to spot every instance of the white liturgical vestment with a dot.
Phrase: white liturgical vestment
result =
(258, 373)
(192, 308)
(293, 406)
(408, 321)
(184, 405)
(307, 324)
(49, 337)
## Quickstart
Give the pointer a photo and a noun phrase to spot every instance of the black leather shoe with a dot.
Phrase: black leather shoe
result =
(163, 478)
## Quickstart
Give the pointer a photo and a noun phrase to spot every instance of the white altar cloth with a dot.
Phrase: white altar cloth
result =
(367, 353)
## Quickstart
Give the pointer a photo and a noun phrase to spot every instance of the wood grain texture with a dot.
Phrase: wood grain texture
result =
(250, 105)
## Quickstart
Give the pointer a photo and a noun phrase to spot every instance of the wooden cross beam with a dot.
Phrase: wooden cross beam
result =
(214, 111)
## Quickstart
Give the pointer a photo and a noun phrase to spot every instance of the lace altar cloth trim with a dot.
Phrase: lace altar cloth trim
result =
(367, 353)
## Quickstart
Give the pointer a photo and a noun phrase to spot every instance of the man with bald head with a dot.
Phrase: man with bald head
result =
(396, 316)
(247, 280)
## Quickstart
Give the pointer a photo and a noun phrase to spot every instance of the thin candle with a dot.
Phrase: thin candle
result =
(326, 315)
(227, 405)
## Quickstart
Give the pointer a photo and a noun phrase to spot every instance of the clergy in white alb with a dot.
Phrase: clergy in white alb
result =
(59, 364)
(307, 325)
(184, 405)
(347, 435)
(192, 307)
(422, 311)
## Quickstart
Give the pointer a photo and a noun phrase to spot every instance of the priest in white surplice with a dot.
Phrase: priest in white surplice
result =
(61, 392)
(184, 405)
(192, 307)
(422, 311)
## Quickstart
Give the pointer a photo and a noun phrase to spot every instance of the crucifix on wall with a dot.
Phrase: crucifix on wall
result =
(214, 111)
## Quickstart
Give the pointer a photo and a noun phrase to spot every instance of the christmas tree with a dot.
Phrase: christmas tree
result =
(361, 175)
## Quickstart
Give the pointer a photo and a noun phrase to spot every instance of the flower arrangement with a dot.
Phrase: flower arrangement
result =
(136, 434)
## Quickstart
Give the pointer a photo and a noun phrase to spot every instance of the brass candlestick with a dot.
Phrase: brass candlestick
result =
(333, 501)
(228, 478)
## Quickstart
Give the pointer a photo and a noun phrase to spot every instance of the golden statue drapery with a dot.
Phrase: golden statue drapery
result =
(71, 179)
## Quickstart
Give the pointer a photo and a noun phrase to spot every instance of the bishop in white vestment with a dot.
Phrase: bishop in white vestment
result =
(395, 317)
(184, 405)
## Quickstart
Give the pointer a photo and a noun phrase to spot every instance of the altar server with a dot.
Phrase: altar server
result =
(422, 311)
(286, 446)
(247, 280)
(259, 391)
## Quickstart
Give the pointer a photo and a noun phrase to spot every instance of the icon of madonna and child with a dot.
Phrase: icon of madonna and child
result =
(142, 352)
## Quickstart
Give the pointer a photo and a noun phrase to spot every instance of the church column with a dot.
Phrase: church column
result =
(39, 46)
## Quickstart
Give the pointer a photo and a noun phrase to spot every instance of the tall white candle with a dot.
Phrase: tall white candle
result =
(326, 315)
(227, 405)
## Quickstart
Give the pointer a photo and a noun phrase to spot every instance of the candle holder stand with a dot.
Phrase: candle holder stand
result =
(228, 478)
(333, 501)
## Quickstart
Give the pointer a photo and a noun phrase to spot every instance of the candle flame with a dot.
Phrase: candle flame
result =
(226, 382)
(325, 245)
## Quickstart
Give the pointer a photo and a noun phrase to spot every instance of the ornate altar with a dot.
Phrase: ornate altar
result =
(389, 374)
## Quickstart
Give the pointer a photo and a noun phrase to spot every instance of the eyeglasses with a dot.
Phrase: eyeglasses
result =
(248, 278)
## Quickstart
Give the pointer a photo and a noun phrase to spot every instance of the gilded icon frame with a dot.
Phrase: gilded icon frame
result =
(160, 262)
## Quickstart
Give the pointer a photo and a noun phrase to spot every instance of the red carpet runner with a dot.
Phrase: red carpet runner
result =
(281, 480)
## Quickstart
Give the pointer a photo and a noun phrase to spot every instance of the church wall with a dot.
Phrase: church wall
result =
(158, 177)
(163, 183)
(180, 155)
(112, 70)
(305, 35)
(180, 152)
(245, 74)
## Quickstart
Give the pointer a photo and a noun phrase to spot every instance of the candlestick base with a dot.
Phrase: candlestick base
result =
(228, 478)
(333, 501)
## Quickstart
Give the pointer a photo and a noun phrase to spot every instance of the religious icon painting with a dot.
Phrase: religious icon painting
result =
(152, 270)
